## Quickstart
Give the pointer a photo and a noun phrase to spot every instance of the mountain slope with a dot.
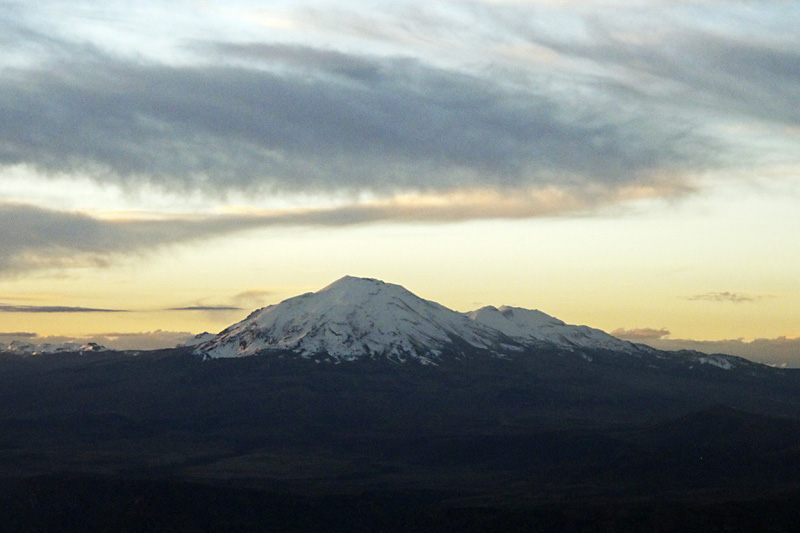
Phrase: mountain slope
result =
(353, 318)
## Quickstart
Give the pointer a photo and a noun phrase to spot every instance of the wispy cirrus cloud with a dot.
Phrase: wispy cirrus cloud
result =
(252, 298)
(725, 74)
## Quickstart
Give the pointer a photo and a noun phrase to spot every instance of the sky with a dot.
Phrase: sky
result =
(167, 167)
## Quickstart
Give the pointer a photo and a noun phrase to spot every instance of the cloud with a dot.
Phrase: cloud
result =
(205, 308)
(33, 238)
(726, 296)
(745, 71)
(627, 108)
(149, 340)
(18, 335)
(321, 121)
(245, 300)
(640, 334)
(634, 93)
(53, 309)
(252, 298)
(780, 351)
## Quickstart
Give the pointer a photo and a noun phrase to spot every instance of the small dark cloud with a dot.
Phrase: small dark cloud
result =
(205, 308)
(639, 334)
(248, 299)
(54, 309)
(726, 296)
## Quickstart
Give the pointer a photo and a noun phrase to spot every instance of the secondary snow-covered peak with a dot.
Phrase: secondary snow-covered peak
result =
(351, 318)
(525, 325)
(513, 321)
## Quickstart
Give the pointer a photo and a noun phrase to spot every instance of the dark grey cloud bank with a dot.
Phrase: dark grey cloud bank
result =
(34, 238)
(302, 119)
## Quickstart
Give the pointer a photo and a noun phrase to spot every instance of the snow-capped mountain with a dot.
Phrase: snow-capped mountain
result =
(353, 318)
(526, 325)
(358, 317)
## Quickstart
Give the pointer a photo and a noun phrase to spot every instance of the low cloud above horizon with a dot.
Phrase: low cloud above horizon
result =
(781, 351)
(150, 340)
(640, 334)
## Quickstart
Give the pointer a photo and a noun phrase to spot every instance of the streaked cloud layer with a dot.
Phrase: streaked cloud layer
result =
(310, 120)
(451, 96)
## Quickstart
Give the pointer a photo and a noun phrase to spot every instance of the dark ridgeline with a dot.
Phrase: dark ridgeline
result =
(541, 437)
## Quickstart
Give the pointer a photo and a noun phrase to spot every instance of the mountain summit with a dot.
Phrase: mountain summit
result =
(353, 318)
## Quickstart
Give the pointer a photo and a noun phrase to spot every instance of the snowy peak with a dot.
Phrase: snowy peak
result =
(515, 322)
(526, 325)
(353, 318)
(355, 287)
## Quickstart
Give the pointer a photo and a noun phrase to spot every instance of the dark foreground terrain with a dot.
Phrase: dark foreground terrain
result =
(547, 442)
